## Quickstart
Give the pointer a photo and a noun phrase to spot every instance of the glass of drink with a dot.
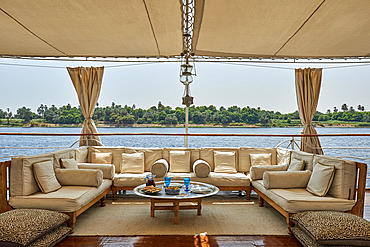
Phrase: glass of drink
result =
(167, 181)
(186, 183)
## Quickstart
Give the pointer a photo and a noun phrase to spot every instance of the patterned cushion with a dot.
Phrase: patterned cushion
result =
(52, 238)
(333, 228)
(25, 226)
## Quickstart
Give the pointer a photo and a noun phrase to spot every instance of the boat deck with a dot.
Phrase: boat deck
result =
(178, 241)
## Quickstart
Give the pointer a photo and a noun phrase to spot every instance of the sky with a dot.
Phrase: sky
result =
(218, 84)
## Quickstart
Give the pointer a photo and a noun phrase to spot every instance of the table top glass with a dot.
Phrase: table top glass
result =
(197, 190)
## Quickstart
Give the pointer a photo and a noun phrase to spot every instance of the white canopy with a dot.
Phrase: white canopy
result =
(153, 28)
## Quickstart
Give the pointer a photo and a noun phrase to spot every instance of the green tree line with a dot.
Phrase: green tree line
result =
(166, 115)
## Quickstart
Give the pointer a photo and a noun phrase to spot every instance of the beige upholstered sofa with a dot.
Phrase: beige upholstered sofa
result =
(72, 192)
(321, 183)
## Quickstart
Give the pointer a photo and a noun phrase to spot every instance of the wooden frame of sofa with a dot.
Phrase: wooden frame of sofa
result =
(247, 189)
(358, 208)
(4, 189)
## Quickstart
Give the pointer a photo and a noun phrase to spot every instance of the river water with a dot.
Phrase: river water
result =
(178, 141)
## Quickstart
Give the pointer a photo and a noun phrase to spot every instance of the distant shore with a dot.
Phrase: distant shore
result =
(239, 125)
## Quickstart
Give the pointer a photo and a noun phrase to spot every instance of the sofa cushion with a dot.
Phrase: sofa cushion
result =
(116, 155)
(225, 162)
(307, 157)
(69, 163)
(23, 227)
(321, 179)
(194, 154)
(225, 179)
(102, 158)
(81, 154)
(343, 185)
(79, 177)
(207, 154)
(244, 157)
(296, 165)
(107, 169)
(22, 180)
(257, 171)
(179, 161)
(66, 199)
(130, 179)
(63, 154)
(286, 179)
(201, 168)
(283, 156)
(132, 163)
(333, 228)
(45, 176)
(299, 199)
(260, 159)
(160, 168)
(151, 155)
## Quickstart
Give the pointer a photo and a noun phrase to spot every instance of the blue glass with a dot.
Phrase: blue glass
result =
(167, 181)
(186, 183)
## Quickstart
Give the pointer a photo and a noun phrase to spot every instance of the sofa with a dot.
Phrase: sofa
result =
(286, 179)
(41, 182)
(310, 182)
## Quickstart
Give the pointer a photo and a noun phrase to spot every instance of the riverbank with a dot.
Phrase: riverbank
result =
(235, 125)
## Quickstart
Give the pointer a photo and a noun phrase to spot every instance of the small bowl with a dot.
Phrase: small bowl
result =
(172, 190)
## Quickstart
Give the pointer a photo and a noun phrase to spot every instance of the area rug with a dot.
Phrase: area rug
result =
(221, 215)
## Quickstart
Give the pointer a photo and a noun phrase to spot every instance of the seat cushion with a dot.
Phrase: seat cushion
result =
(129, 179)
(333, 228)
(66, 199)
(299, 200)
(23, 227)
(225, 179)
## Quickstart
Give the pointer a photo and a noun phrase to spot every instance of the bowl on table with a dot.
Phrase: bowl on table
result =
(173, 189)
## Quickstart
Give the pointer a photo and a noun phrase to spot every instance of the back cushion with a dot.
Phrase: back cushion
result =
(307, 157)
(151, 155)
(194, 154)
(22, 180)
(116, 152)
(283, 156)
(207, 155)
(63, 154)
(81, 154)
(343, 185)
(244, 156)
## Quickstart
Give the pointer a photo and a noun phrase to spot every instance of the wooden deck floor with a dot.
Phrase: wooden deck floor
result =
(180, 241)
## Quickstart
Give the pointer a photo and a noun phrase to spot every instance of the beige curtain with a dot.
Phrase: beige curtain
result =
(308, 83)
(87, 82)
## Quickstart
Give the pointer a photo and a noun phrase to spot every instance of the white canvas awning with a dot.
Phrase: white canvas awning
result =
(153, 28)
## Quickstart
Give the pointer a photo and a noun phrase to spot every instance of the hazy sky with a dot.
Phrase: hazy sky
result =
(219, 84)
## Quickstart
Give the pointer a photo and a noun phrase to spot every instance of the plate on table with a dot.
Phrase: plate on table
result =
(201, 190)
(151, 190)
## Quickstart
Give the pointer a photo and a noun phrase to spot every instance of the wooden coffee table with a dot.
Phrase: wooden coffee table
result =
(176, 200)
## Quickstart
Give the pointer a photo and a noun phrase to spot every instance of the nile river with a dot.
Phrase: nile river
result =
(178, 141)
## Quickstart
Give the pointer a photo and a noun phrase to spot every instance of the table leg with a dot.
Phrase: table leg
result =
(199, 209)
(152, 207)
(176, 211)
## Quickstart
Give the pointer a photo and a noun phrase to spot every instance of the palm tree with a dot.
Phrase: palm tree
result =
(335, 109)
(344, 107)
(8, 115)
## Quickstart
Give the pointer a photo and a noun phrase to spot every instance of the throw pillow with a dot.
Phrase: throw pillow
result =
(132, 163)
(225, 162)
(101, 158)
(159, 168)
(45, 176)
(179, 161)
(286, 179)
(296, 165)
(69, 163)
(321, 179)
(257, 171)
(201, 168)
(260, 159)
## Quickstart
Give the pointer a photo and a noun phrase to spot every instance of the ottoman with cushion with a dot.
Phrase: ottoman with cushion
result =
(330, 228)
(33, 227)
